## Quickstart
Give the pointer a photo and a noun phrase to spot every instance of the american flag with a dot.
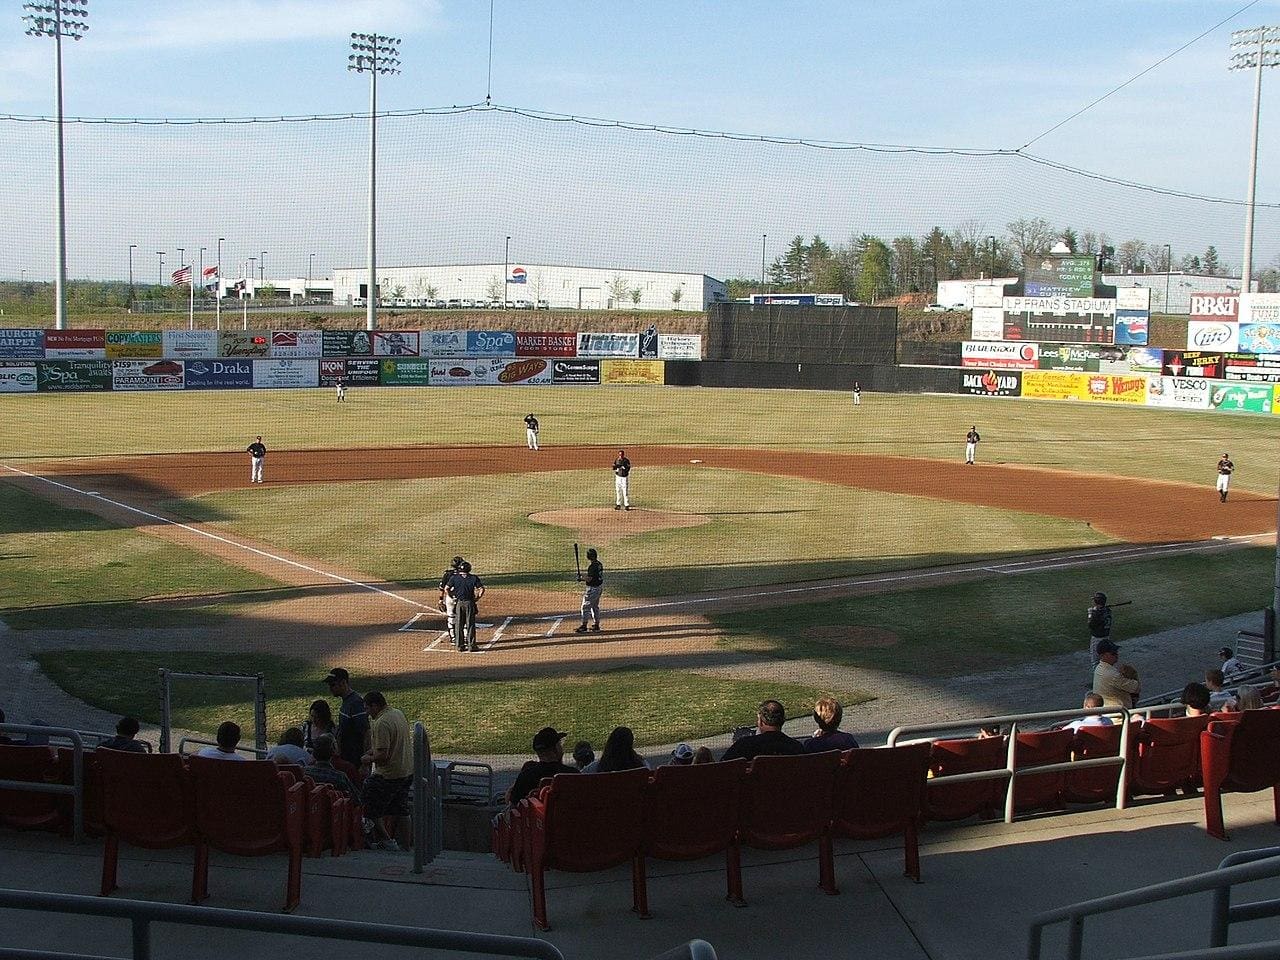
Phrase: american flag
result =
(181, 275)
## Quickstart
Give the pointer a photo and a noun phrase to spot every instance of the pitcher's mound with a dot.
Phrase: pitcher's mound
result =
(600, 526)
(852, 636)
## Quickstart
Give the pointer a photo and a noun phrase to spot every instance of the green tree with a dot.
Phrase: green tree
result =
(1070, 238)
(635, 294)
(618, 289)
(875, 279)
(1210, 262)
(676, 296)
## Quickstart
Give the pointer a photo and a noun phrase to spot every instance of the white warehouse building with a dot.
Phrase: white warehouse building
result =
(1177, 286)
(554, 286)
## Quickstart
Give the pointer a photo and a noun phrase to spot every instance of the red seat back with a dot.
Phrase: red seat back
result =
(879, 792)
(240, 806)
(692, 811)
(1099, 783)
(1255, 751)
(961, 800)
(147, 799)
(92, 777)
(21, 808)
(786, 800)
(1167, 754)
(593, 821)
(1040, 790)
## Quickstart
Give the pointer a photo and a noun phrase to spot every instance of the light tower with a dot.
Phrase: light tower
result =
(1253, 49)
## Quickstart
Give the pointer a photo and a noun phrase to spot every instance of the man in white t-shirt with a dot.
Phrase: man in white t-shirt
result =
(228, 736)
(1230, 665)
(290, 748)
(1091, 700)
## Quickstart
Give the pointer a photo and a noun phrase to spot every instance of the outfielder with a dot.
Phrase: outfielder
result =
(971, 440)
(531, 431)
(445, 603)
(257, 453)
(591, 595)
(857, 394)
(341, 386)
(1225, 469)
(621, 472)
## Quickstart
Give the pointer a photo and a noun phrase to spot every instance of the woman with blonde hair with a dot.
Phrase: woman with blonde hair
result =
(1248, 697)
(827, 714)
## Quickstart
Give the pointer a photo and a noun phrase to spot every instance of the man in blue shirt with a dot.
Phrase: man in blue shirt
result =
(465, 588)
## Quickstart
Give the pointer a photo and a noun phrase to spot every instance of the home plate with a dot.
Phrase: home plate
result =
(695, 461)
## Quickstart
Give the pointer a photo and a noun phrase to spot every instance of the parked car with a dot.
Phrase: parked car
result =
(521, 305)
(935, 308)
(436, 304)
(454, 304)
(358, 302)
(543, 305)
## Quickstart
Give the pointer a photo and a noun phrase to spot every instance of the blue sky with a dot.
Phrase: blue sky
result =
(971, 74)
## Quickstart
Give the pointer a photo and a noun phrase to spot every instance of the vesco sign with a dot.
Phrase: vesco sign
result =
(1000, 354)
(1215, 306)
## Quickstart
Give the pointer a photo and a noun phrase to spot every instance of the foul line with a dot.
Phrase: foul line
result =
(220, 539)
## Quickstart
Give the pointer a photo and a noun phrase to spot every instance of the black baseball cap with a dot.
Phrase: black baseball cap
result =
(547, 737)
(336, 675)
(1107, 646)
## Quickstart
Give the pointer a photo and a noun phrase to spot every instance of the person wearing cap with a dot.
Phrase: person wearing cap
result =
(548, 745)
(1230, 665)
(446, 602)
(531, 431)
(594, 586)
(1225, 469)
(827, 714)
(1110, 682)
(1099, 620)
(466, 589)
(681, 756)
(353, 718)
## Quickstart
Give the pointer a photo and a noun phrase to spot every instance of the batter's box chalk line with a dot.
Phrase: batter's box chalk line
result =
(443, 642)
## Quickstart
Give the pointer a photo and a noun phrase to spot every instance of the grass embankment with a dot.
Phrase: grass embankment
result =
(462, 717)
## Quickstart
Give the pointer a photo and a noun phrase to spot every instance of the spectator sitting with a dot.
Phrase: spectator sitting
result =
(583, 754)
(618, 754)
(228, 736)
(1093, 720)
(989, 732)
(1195, 697)
(548, 745)
(1219, 698)
(289, 749)
(769, 740)
(681, 756)
(319, 722)
(1109, 682)
(1248, 697)
(703, 755)
(1231, 667)
(126, 737)
(322, 770)
(827, 714)
(386, 790)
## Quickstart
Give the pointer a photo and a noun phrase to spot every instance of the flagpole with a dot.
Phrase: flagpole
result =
(191, 301)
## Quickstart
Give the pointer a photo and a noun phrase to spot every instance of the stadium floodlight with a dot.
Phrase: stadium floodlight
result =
(1254, 49)
(58, 19)
(262, 268)
(374, 54)
(310, 258)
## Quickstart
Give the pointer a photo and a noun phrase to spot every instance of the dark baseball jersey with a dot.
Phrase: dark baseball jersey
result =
(1100, 622)
(1225, 466)
(621, 467)
(972, 437)
(595, 573)
(257, 449)
(531, 422)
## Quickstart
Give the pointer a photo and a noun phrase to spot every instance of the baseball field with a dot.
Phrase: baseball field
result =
(781, 543)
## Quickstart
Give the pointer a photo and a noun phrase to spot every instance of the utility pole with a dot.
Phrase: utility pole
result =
(218, 289)
(764, 239)
(132, 247)
(160, 254)
(506, 272)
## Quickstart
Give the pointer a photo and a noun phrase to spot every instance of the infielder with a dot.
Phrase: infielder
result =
(531, 431)
(591, 595)
(1225, 469)
(257, 453)
(341, 386)
(971, 440)
(621, 471)
(445, 603)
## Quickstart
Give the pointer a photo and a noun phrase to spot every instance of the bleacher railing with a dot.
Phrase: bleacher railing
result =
(1011, 771)
(1251, 675)
(74, 790)
(427, 814)
(185, 741)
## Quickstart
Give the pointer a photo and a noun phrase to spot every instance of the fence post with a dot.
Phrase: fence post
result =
(77, 780)
(166, 720)
(260, 714)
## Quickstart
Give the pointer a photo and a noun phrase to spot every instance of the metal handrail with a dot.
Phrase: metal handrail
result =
(75, 789)
(99, 736)
(1011, 771)
(693, 950)
(142, 914)
(1248, 676)
(259, 754)
(427, 813)
(1075, 913)
(1252, 951)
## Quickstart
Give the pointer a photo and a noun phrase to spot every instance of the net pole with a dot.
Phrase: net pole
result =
(371, 302)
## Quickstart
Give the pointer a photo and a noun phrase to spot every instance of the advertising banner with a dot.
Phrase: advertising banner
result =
(1133, 327)
(22, 344)
(286, 373)
(649, 343)
(608, 344)
(408, 372)
(395, 343)
(999, 355)
(1260, 308)
(1073, 357)
(1275, 399)
(345, 343)
(1187, 393)
(679, 346)
(189, 344)
(244, 343)
(477, 372)
(1133, 298)
(356, 371)
(1212, 335)
(448, 343)
(1145, 359)
(1241, 397)
(297, 343)
(491, 343)
(18, 379)
(1222, 307)
(575, 371)
(146, 374)
(650, 372)
(1053, 385)
(1060, 319)
(1113, 388)
(1192, 363)
(80, 376)
(1259, 337)
(1255, 367)
(134, 345)
(75, 344)
(987, 322)
(993, 383)
(214, 374)
(546, 344)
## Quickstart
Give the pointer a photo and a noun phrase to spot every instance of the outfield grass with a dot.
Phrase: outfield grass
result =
(970, 627)
(763, 529)
(462, 717)
(62, 568)
(1159, 444)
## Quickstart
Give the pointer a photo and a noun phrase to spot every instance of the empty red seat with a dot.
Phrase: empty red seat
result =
(584, 823)
(691, 812)
(249, 809)
(880, 793)
(1164, 754)
(1040, 790)
(786, 802)
(92, 778)
(25, 809)
(1096, 784)
(957, 801)
(147, 801)
(1240, 756)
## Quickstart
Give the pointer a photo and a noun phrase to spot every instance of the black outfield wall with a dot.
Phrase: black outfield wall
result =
(782, 334)
(878, 378)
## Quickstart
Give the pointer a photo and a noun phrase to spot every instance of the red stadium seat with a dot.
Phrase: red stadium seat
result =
(1041, 790)
(786, 803)
(880, 793)
(1097, 784)
(23, 809)
(583, 824)
(691, 812)
(1164, 755)
(1241, 756)
(959, 801)
(251, 810)
(147, 801)
(92, 788)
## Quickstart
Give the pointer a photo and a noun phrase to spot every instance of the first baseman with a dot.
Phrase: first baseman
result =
(1225, 469)
(591, 594)
(531, 431)
(257, 453)
(621, 471)
(971, 440)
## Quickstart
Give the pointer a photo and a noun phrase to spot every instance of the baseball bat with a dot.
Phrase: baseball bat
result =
(1122, 603)
(577, 562)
